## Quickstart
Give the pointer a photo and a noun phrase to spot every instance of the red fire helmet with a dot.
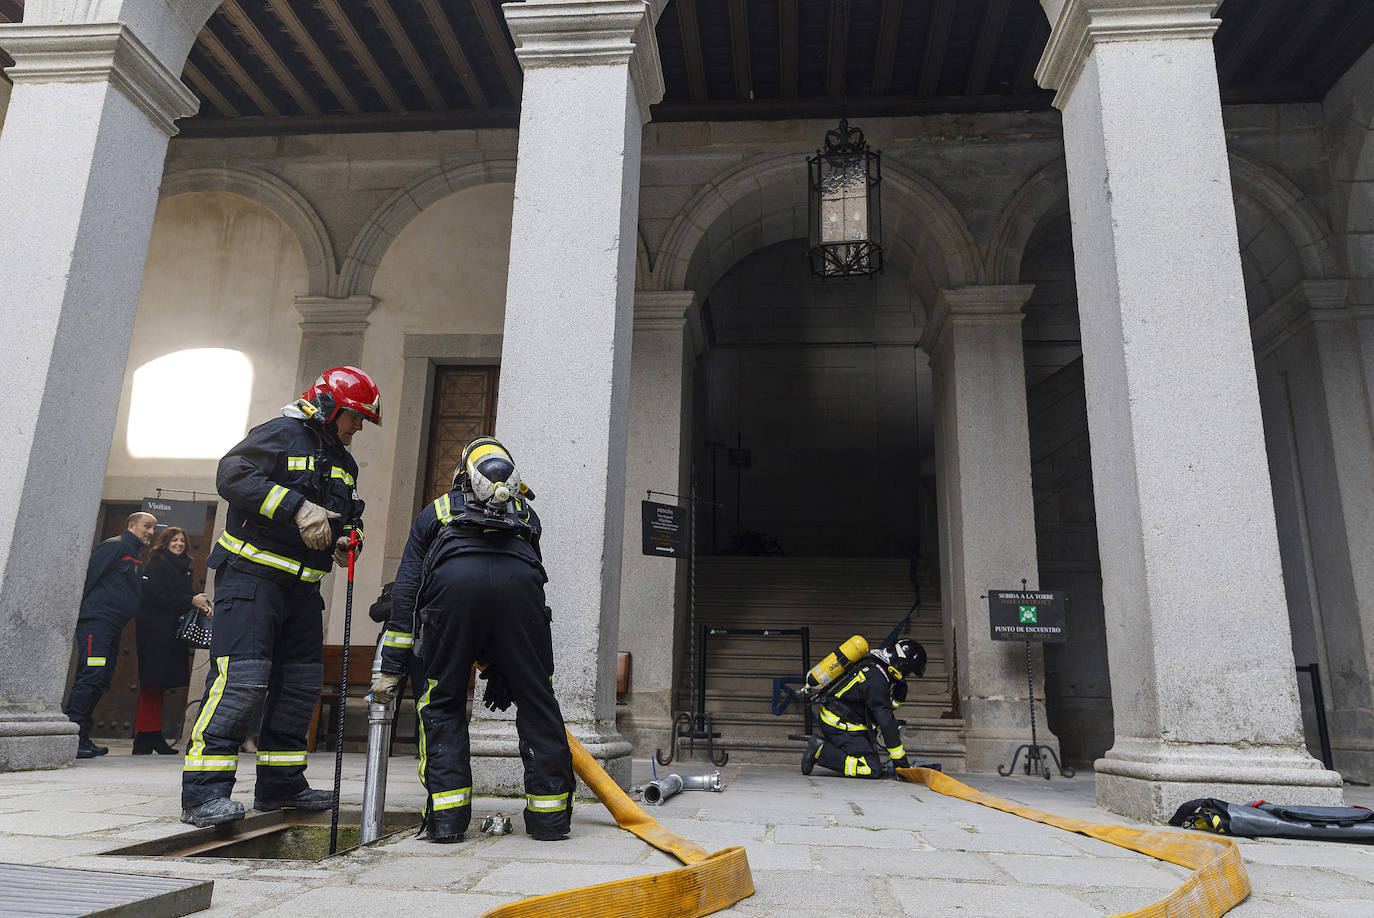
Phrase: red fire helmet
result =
(346, 389)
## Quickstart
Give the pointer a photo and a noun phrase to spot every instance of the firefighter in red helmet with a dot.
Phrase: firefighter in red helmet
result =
(291, 485)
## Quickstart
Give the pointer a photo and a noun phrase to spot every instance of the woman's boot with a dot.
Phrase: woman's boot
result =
(145, 743)
(161, 746)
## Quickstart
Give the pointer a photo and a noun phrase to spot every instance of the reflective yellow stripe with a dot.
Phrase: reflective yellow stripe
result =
(197, 746)
(546, 802)
(419, 712)
(398, 639)
(828, 717)
(443, 509)
(300, 463)
(268, 559)
(95, 661)
(858, 678)
(342, 475)
(897, 752)
(272, 501)
(447, 800)
(488, 448)
(210, 763)
(281, 758)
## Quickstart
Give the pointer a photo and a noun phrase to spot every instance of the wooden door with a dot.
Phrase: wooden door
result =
(464, 408)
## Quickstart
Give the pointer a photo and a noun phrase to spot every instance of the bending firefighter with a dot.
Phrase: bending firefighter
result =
(864, 699)
(291, 485)
(471, 587)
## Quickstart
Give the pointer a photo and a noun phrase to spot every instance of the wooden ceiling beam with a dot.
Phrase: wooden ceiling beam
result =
(306, 42)
(216, 49)
(837, 48)
(358, 48)
(787, 47)
(739, 49)
(691, 50)
(1236, 54)
(937, 40)
(456, 56)
(1025, 84)
(889, 18)
(493, 29)
(260, 45)
(989, 37)
(400, 40)
(1312, 16)
(201, 84)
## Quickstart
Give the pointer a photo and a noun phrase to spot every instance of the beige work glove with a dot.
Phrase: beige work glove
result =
(341, 550)
(384, 687)
(313, 522)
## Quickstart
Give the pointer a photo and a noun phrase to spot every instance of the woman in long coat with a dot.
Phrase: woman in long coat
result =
(163, 661)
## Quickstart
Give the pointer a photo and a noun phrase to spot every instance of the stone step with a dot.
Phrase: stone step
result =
(750, 739)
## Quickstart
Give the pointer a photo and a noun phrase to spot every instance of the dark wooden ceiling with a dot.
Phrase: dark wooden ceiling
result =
(289, 66)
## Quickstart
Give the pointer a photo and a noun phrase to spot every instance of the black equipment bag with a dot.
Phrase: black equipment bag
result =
(1272, 820)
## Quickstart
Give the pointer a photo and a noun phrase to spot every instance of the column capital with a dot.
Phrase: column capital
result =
(665, 310)
(1305, 303)
(99, 52)
(590, 33)
(1081, 25)
(328, 315)
(973, 306)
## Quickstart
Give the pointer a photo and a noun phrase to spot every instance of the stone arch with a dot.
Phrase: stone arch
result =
(763, 201)
(387, 221)
(276, 195)
(1044, 197)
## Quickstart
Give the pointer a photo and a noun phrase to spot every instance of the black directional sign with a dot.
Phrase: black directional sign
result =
(184, 514)
(1026, 615)
(665, 529)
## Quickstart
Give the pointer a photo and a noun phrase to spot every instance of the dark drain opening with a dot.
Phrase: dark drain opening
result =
(286, 835)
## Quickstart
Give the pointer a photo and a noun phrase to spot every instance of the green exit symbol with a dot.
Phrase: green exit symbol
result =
(1028, 615)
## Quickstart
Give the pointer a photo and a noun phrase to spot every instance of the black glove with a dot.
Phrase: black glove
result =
(903, 762)
(899, 691)
(497, 695)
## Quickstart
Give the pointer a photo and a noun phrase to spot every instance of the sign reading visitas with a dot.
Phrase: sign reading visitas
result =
(665, 529)
(1026, 615)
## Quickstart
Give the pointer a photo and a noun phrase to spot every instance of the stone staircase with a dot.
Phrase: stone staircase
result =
(835, 598)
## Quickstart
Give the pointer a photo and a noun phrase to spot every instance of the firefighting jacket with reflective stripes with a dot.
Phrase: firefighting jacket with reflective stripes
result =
(441, 531)
(265, 478)
(863, 698)
(114, 581)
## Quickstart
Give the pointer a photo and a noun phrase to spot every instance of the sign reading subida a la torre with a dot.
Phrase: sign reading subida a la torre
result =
(1026, 615)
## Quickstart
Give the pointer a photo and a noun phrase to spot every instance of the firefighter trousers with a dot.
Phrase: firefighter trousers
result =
(490, 607)
(266, 647)
(849, 752)
(97, 651)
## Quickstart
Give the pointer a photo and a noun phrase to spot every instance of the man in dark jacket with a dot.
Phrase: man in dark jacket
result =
(114, 583)
(864, 699)
(471, 587)
(293, 502)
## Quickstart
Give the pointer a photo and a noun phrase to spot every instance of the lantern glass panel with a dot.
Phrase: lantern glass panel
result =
(843, 198)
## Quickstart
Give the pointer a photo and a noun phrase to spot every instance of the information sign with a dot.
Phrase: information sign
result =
(1026, 615)
(665, 529)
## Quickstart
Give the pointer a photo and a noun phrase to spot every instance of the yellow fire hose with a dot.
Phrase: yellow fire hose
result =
(1219, 880)
(709, 882)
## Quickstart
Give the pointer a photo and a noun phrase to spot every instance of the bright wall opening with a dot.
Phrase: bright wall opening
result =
(169, 416)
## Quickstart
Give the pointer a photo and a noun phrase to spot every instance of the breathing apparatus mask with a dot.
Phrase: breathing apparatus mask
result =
(489, 480)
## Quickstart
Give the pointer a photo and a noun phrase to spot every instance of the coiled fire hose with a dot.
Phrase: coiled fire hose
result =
(1218, 883)
(707, 884)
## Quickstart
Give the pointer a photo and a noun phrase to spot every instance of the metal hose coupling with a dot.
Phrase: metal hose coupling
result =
(709, 782)
(656, 792)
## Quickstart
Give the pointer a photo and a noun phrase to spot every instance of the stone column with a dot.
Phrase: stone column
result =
(660, 418)
(1204, 693)
(1321, 453)
(85, 137)
(332, 331)
(987, 511)
(591, 72)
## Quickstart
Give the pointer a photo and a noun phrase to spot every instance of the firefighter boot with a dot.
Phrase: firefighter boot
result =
(307, 799)
(813, 749)
(212, 812)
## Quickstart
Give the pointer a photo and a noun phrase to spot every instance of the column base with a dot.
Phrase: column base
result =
(1149, 780)
(498, 770)
(996, 728)
(646, 722)
(30, 740)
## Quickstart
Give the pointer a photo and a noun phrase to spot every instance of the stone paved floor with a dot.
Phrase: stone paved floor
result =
(886, 848)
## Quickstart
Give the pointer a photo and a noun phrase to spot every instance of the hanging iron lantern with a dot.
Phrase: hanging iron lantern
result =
(846, 224)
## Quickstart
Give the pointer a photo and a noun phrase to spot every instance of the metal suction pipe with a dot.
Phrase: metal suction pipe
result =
(655, 792)
(378, 750)
(709, 782)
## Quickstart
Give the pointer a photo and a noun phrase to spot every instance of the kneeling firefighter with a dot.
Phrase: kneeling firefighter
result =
(863, 699)
(471, 587)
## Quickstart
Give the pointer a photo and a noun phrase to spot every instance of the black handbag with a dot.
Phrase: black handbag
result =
(194, 628)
